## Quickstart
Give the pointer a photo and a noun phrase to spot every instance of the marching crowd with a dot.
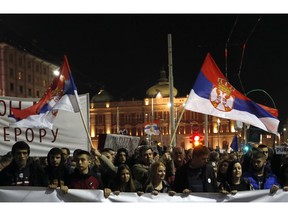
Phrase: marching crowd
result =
(149, 170)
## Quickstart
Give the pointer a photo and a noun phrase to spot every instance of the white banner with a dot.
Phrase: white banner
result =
(281, 149)
(68, 129)
(40, 194)
(116, 141)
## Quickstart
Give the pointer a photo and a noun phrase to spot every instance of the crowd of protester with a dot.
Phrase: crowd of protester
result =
(150, 170)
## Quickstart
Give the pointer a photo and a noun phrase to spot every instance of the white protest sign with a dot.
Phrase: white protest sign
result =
(68, 128)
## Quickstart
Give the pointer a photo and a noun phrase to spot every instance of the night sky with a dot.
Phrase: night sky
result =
(124, 53)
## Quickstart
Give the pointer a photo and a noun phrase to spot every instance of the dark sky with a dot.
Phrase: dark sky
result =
(124, 53)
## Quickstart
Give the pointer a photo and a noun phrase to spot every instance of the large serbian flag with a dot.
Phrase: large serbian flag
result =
(212, 94)
(61, 95)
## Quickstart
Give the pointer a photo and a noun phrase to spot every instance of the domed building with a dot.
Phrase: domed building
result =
(161, 87)
(110, 116)
(102, 96)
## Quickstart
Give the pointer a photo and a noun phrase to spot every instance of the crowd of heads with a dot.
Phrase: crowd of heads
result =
(149, 170)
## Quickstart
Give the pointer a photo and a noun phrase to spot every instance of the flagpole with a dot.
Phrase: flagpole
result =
(171, 87)
(178, 122)
(79, 107)
(82, 117)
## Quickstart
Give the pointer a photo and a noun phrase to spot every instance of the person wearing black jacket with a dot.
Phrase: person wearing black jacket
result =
(23, 170)
(196, 175)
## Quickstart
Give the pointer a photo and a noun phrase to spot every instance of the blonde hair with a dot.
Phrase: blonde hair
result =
(153, 172)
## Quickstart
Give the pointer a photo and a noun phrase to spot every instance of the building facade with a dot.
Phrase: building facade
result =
(22, 74)
(112, 117)
(108, 116)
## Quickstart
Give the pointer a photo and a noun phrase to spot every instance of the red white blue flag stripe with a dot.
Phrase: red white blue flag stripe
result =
(212, 94)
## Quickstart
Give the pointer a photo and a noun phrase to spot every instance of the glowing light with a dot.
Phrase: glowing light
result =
(56, 72)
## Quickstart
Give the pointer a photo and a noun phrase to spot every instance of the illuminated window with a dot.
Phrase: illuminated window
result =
(19, 75)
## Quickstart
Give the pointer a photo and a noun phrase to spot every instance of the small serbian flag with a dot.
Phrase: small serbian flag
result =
(212, 94)
(152, 128)
(61, 95)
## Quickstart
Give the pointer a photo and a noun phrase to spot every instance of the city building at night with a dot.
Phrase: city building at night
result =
(28, 76)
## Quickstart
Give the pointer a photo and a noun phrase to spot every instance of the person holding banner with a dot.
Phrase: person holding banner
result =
(123, 182)
(260, 177)
(234, 180)
(156, 182)
(57, 171)
(196, 175)
(83, 177)
(23, 170)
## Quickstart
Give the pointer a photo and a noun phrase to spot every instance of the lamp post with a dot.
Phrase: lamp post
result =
(218, 126)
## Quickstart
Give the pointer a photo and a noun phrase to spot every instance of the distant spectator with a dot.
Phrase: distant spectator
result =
(141, 168)
(66, 155)
(121, 157)
(213, 160)
(188, 154)
(222, 171)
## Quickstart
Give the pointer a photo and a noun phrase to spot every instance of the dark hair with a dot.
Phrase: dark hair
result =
(258, 154)
(143, 149)
(20, 145)
(262, 146)
(130, 187)
(76, 152)
(67, 149)
(221, 177)
(116, 162)
(201, 150)
(229, 174)
(81, 152)
(55, 151)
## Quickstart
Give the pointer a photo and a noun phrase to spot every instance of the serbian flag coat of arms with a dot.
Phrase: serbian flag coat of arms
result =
(151, 128)
(61, 95)
(212, 94)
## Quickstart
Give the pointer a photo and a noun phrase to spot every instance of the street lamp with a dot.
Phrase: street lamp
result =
(218, 126)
